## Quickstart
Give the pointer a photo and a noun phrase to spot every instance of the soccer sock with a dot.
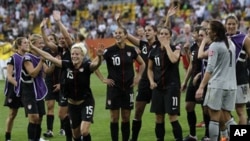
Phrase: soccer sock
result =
(7, 135)
(61, 124)
(67, 128)
(213, 130)
(86, 138)
(114, 131)
(50, 121)
(160, 131)
(206, 119)
(136, 127)
(230, 122)
(177, 130)
(38, 131)
(125, 128)
(32, 131)
(191, 116)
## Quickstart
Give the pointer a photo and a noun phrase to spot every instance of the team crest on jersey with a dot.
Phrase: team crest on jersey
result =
(29, 106)
(109, 102)
(153, 46)
(81, 69)
(9, 100)
(129, 53)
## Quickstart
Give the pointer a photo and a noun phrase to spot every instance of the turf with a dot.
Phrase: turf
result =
(100, 128)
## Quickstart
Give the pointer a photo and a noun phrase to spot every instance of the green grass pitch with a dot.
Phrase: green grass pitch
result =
(100, 128)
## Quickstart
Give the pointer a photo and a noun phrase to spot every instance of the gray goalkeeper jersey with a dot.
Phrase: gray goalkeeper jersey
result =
(221, 64)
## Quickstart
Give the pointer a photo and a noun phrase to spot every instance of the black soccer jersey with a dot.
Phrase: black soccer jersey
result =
(77, 81)
(145, 49)
(52, 78)
(165, 72)
(120, 65)
(196, 63)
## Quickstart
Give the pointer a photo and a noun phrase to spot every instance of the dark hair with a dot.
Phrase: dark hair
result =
(169, 30)
(155, 29)
(197, 28)
(54, 36)
(218, 28)
(18, 42)
(203, 29)
(124, 30)
(80, 36)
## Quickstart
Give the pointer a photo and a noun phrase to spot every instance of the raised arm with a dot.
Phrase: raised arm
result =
(47, 42)
(174, 56)
(171, 11)
(46, 55)
(97, 61)
(134, 40)
(63, 29)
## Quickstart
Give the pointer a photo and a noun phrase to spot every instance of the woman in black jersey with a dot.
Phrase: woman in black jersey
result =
(193, 69)
(52, 80)
(12, 85)
(143, 45)
(120, 82)
(77, 86)
(63, 50)
(164, 77)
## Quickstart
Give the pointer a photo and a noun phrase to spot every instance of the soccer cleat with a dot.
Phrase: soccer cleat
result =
(190, 138)
(41, 139)
(62, 132)
(48, 134)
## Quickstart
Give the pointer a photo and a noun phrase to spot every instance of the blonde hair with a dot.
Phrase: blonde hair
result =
(34, 37)
(18, 42)
(80, 46)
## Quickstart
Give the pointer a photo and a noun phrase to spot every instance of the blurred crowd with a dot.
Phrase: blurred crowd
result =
(96, 20)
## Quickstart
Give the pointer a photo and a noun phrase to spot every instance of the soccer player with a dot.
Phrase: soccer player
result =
(194, 68)
(33, 88)
(52, 80)
(65, 41)
(203, 55)
(12, 85)
(164, 77)
(144, 45)
(242, 43)
(220, 79)
(81, 102)
(120, 82)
